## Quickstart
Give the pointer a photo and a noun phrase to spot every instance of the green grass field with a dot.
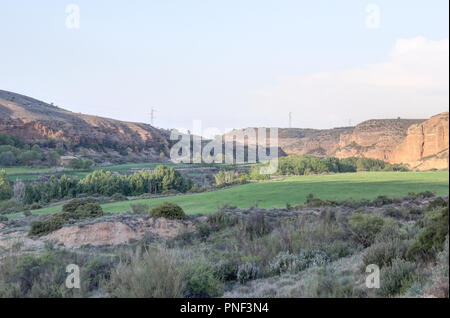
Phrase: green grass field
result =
(294, 190)
(25, 170)
(131, 166)
(27, 173)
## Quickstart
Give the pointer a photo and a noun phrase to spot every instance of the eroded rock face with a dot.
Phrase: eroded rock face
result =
(115, 233)
(419, 143)
(375, 139)
(426, 144)
(314, 142)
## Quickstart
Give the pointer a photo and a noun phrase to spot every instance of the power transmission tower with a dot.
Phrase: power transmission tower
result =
(290, 119)
(152, 116)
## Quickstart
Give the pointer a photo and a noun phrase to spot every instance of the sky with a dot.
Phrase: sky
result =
(230, 63)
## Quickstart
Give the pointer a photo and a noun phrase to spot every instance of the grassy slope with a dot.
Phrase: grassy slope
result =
(295, 189)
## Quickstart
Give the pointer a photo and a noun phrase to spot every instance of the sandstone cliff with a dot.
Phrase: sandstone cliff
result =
(374, 139)
(419, 143)
(426, 145)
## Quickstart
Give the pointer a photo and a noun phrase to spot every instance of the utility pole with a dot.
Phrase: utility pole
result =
(152, 116)
(290, 119)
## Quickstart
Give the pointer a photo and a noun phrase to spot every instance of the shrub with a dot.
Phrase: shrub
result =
(169, 211)
(437, 203)
(89, 210)
(34, 206)
(158, 273)
(429, 241)
(396, 277)
(224, 177)
(221, 220)
(383, 253)
(423, 195)
(227, 268)
(95, 271)
(325, 283)
(3, 218)
(364, 227)
(312, 258)
(27, 213)
(55, 222)
(311, 201)
(204, 230)
(248, 271)
(381, 200)
(337, 249)
(74, 204)
(44, 275)
(196, 189)
(284, 262)
(391, 231)
(398, 213)
(256, 226)
(10, 206)
(203, 284)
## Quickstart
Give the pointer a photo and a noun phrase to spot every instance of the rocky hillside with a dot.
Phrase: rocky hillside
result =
(35, 120)
(426, 145)
(421, 144)
(374, 138)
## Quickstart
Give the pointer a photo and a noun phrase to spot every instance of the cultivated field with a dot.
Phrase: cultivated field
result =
(293, 190)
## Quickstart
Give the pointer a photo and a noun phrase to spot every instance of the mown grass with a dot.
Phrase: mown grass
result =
(293, 190)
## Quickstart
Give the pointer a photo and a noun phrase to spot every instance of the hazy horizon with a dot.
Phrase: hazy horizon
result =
(231, 64)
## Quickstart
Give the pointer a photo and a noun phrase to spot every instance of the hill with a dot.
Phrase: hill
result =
(419, 143)
(34, 120)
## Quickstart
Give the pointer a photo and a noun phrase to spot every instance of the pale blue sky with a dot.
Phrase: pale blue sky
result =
(222, 61)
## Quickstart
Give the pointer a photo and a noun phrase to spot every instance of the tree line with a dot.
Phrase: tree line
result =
(105, 183)
(16, 151)
(307, 165)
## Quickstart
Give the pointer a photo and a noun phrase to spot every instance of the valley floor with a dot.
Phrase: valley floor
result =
(294, 190)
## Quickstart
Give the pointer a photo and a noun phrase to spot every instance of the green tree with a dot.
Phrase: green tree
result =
(53, 158)
(7, 158)
(5, 186)
(76, 164)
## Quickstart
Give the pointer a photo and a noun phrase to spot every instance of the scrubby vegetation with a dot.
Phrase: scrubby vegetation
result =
(433, 231)
(77, 209)
(319, 251)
